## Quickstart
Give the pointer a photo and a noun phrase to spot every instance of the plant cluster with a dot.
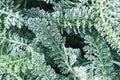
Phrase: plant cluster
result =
(59, 40)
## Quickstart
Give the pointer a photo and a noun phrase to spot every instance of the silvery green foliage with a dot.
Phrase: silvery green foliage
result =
(82, 72)
(8, 16)
(48, 34)
(21, 58)
(28, 35)
(16, 57)
(99, 53)
(35, 12)
(38, 67)
(16, 52)
(88, 14)
(49, 1)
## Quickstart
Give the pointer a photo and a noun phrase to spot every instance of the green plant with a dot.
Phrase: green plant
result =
(33, 42)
